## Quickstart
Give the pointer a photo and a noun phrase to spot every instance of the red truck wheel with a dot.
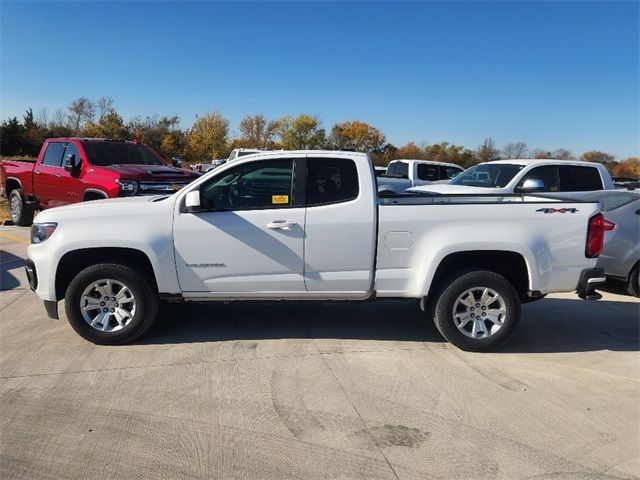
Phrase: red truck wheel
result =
(21, 213)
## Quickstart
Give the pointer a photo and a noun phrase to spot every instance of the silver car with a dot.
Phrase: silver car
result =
(621, 254)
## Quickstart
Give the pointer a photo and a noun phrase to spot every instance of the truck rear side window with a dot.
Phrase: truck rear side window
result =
(580, 179)
(53, 154)
(428, 172)
(398, 169)
(331, 180)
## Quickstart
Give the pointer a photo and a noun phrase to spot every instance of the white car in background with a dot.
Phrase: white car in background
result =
(404, 174)
(525, 176)
(241, 152)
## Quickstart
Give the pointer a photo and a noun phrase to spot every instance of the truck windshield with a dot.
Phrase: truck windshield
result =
(487, 175)
(120, 153)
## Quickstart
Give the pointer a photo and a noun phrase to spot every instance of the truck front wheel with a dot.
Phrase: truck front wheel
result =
(21, 213)
(110, 304)
(476, 310)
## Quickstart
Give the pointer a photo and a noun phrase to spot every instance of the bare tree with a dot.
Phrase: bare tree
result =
(515, 150)
(58, 119)
(487, 151)
(80, 110)
(42, 117)
(104, 105)
(563, 154)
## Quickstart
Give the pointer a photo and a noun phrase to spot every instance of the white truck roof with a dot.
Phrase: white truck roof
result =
(541, 161)
(427, 162)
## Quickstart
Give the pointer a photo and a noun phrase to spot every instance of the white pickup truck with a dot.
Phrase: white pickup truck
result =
(307, 225)
(404, 174)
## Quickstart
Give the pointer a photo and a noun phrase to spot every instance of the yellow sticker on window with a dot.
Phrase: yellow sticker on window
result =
(279, 199)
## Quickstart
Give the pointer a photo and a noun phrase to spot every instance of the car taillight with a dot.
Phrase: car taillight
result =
(595, 235)
(608, 225)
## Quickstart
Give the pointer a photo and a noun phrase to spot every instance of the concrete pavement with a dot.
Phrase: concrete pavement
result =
(317, 391)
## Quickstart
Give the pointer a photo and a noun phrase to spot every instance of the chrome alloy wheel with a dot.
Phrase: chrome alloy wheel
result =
(479, 312)
(107, 305)
(14, 205)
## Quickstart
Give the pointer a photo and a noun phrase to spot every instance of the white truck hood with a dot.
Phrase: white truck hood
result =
(448, 188)
(94, 208)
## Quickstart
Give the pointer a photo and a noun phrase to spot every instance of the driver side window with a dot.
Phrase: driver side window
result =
(252, 186)
(548, 174)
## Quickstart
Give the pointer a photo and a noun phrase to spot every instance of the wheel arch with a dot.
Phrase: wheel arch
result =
(73, 262)
(93, 194)
(11, 184)
(510, 264)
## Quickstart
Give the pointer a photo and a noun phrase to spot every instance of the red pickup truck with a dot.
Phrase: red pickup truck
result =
(70, 170)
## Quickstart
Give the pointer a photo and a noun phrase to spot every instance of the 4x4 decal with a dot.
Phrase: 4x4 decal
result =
(557, 210)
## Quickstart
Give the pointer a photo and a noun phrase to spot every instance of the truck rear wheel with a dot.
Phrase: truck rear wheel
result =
(476, 310)
(110, 304)
(21, 213)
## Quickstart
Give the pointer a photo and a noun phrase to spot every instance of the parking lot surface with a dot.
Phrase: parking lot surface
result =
(317, 391)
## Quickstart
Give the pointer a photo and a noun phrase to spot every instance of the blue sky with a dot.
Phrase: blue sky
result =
(552, 74)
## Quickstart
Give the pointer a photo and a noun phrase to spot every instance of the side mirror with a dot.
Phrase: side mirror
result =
(176, 162)
(72, 163)
(192, 202)
(532, 185)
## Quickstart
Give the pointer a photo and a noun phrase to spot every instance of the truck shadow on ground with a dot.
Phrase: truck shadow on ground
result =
(8, 262)
(549, 325)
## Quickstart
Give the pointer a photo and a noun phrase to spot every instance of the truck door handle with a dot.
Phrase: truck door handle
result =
(37, 172)
(57, 175)
(280, 225)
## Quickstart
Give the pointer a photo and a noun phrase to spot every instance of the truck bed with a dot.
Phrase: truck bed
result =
(417, 232)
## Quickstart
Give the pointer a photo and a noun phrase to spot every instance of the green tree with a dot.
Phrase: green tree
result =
(163, 134)
(34, 133)
(257, 132)
(12, 137)
(208, 138)
(445, 152)
(111, 125)
(302, 133)
(357, 136)
(597, 156)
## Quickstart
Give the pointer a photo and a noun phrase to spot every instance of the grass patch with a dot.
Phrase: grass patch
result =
(4, 210)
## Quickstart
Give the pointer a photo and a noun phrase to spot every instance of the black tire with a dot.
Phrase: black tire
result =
(632, 284)
(146, 303)
(445, 298)
(21, 213)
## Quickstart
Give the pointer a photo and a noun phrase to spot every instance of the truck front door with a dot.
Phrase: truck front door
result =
(248, 240)
(47, 186)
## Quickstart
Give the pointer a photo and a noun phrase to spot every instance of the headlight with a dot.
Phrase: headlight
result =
(41, 231)
(128, 188)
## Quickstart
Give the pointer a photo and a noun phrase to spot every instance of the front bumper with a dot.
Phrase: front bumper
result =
(32, 277)
(589, 280)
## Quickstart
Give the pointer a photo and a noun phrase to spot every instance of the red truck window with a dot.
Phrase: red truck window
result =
(53, 155)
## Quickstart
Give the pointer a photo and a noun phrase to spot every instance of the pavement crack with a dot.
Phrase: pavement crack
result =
(15, 299)
(355, 409)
